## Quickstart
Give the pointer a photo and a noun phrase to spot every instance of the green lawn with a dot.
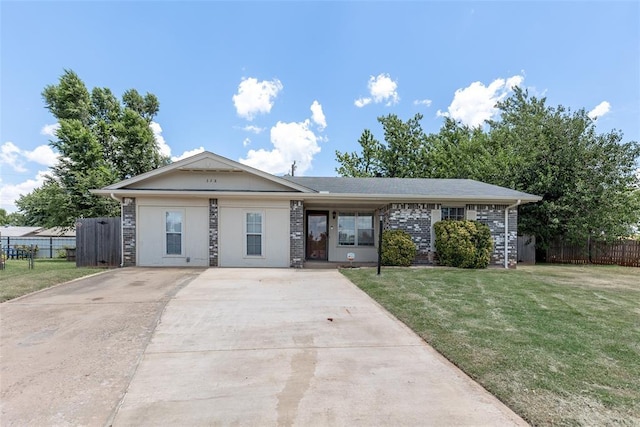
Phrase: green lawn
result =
(17, 279)
(558, 344)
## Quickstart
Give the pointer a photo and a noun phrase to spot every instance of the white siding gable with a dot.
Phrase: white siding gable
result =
(209, 164)
(210, 180)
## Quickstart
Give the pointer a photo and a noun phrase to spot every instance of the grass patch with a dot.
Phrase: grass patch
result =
(560, 345)
(17, 279)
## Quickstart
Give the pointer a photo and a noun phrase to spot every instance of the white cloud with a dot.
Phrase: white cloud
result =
(163, 147)
(514, 81)
(9, 193)
(382, 89)
(292, 142)
(188, 153)
(253, 129)
(361, 102)
(11, 155)
(246, 142)
(42, 154)
(600, 110)
(255, 97)
(425, 102)
(476, 103)
(50, 130)
(318, 116)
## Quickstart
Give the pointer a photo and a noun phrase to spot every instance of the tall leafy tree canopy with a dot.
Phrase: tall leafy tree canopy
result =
(588, 180)
(14, 218)
(101, 140)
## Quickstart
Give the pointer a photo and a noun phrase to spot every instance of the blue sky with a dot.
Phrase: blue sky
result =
(267, 83)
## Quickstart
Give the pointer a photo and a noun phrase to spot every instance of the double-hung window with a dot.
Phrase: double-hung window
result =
(253, 233)
(453, 213)
(355, 229)
(173, 230)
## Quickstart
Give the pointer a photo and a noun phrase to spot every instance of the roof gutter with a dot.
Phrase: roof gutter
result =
(313, 196)
(506, 233)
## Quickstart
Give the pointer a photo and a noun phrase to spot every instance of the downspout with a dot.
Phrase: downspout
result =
(506, 233)
(121, 229)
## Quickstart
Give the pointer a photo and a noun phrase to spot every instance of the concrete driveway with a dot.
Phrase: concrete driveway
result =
(67, 354)
(294, 347)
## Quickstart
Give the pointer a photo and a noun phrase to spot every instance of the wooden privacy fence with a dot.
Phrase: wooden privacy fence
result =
(620, 252)
(526, 249)
(98, 242)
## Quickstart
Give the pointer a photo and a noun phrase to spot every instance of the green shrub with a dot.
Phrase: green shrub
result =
(62, 252)
(397, 248)
(464, 244)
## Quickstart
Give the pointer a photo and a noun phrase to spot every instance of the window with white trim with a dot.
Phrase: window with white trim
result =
(254, 233)
(355, 229)
(173, 232)
(453, 213)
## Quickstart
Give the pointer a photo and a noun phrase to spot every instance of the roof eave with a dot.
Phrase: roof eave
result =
(318, 196)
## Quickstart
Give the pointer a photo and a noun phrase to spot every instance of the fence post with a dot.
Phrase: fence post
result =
(30, 257)
(50, 247)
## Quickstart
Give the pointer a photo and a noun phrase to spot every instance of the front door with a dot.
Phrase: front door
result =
(317, 235)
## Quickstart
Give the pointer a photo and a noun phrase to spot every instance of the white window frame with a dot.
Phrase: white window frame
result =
(448, 215)
(356, 243)
(181, 212)
(246, 233)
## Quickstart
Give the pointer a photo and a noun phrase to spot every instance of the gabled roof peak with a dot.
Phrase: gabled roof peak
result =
(206, 161)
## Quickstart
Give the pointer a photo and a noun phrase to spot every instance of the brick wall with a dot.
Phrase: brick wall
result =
(493, 217)
(415, 219)
(213, 232)
(296, 237)
(129, 231)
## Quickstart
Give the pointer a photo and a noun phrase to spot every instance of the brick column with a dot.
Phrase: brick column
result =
(213, 232)
(513, 238)
(129, 231)
(296, 236)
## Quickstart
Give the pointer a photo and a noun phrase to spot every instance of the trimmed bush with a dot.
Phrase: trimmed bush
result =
(463, 244)
(397, 248)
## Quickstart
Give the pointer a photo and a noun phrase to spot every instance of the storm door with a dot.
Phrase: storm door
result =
(317, 235)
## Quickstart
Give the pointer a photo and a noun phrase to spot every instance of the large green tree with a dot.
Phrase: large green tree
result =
(14, 218)
(101, 140)
(401, 155)
(587, 179)
(370, 162)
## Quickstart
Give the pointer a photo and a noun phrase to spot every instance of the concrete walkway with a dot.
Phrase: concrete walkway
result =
(294, 347)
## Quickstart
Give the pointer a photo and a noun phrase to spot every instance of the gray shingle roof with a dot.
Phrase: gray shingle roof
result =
(409, 186)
